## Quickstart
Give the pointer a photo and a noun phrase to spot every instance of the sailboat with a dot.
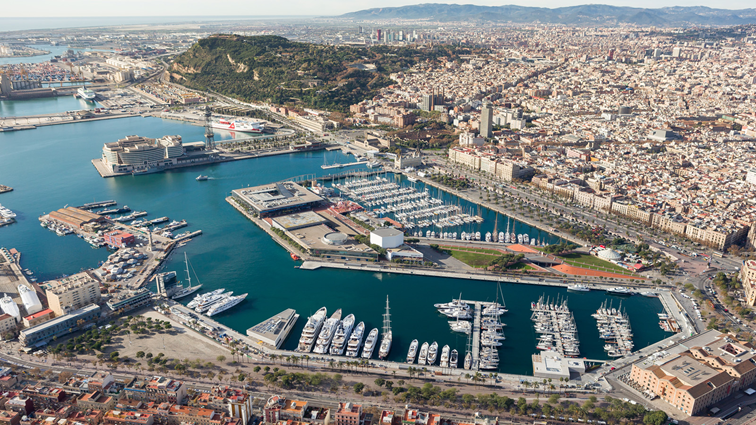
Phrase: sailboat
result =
(507, 234)
(383, 352)
(181, 293)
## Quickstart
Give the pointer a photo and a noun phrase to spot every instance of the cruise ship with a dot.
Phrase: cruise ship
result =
(86, 94)
(244, 127)
(343, 332)
(202, 297)
(311, 330)
(226, 304)
(327, 332)
(369, 347)
(355, 340)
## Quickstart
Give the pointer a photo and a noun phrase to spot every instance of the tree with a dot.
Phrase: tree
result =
(657, 417)
(140, 354)
(221, 358)
(358, 387)
(380, 382)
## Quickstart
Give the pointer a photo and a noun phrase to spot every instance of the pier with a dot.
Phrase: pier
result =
(351, 164)
(476, 335)
(100, 204)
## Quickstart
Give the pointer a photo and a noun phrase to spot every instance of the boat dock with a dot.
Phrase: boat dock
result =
(556, 325)
(4, 188)
(351, 164)
(187, 235)
(476, 334)
(100, 204)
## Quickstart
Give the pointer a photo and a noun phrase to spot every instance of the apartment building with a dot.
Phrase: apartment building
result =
(348, 414)
(72, 293)
(748, 278)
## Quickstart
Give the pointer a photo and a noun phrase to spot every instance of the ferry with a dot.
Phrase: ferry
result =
(578, 288)
(86, 94)
(244, 127)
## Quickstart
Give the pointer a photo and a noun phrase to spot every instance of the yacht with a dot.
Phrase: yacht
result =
(310, 331)
(620, 291)
(210, 302)
(326, 333)
(383, 352)
(423, 357)
(494, 309)
(650, 294)
(188, 290)
(468, 361)
(453, 359)
(432, 353)
(456, 313)
(369, 347)
(445, 356)
(461, 326)
(226, 304)
(202, 297)
(201, 178)
(412, 352)
(341, 336)
(355, 340)
(453, 304)
(578, 288)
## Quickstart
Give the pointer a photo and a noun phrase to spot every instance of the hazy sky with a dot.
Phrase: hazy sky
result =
(86, 8)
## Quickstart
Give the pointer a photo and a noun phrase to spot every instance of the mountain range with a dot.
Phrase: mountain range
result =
(592, 14)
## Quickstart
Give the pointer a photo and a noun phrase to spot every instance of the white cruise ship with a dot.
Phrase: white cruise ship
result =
(370, 342)
(341, 336)
(327, 332)
(355, 340)
(244, 127)
(226, 304)
(86, 94)
(311, 330)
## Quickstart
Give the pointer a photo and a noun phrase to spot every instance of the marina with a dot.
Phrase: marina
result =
(555, 324)
(614, 328)
(224, 262)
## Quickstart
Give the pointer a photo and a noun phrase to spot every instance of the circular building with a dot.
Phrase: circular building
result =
(334, 238)
(609, 255)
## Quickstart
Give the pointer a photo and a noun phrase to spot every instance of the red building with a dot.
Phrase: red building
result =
(118, 238)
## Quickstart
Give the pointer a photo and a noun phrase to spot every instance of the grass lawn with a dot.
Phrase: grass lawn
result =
(520, 266)
(474, 259)
(587, 260)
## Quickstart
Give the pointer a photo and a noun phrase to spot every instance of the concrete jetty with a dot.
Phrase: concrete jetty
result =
(476, 335)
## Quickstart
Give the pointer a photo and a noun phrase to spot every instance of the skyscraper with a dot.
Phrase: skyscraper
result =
(486, 120)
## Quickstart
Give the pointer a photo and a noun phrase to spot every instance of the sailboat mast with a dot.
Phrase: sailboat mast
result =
(188, 275)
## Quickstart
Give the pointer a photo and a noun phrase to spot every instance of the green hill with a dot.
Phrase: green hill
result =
(274, 69)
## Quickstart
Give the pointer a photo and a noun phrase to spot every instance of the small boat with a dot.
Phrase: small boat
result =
(201, 178)
(423, 357)
(432, 353)
(453, 359)
(294, 257)
(412, 352)
(445, 356)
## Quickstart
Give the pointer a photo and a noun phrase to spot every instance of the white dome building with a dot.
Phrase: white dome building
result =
(609, 255)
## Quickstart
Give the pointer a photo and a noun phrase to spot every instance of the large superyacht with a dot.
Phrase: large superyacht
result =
(311, 330)
(326, 333)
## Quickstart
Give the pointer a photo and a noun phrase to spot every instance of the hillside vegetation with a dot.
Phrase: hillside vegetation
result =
(274, 69)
